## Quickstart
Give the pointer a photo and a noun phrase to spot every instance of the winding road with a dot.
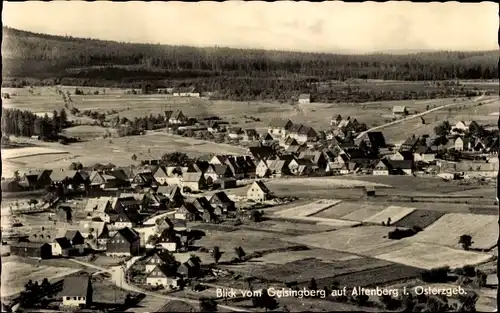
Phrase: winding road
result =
(118, 279)
(416, 115)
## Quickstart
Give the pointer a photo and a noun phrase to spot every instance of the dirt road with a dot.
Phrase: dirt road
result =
(415, 116)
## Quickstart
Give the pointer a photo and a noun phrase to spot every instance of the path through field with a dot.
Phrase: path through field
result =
(415, 116)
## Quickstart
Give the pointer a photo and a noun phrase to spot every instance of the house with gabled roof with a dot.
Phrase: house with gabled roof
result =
(382, 168)
(189, 268)
(268, 141)
(301, 167)
(399, 111)
(216, 171)
(289, 142)
(159, 257)
(402, 155)
(163, 276)
(161, 175)
(236, 169)
(35, 179)
(306, 134)
(221, 200)
(187, 212)
(101, 180)
(177, 118)
(278, 168)
(194, 181)
(278, 127)
(76, 239)
(424, 154)
(61, 247)
(77, 291)
(400, 167)
(258, 192)
(464, 144)
(174, 195)
(262, 169)
(249, 134)
(410, 144)
(143, 180)
(168, 240)
(335, 120)
(262, 153)
(219, 159)
(235, 133)
(125, 242)
(304, 98)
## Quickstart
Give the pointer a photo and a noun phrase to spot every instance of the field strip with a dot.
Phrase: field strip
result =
(395, 213)
(308, 209)
(414, 116)
(447, 230)
(327, 182)
(428, 256)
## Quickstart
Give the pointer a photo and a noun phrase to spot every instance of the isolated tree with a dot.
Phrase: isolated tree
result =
(216, 254)
(257, 216)
(465, 241)
(240, 253)
(134, 157)
(265, 301)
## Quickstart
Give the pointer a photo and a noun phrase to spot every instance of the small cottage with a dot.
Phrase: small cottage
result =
(259, 192)
(77, 291)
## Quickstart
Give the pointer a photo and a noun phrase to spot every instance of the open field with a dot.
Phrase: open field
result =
(364, 213)
(395, 213)
(305, 269)
(250, 241)
(29, 152)
(421, 218)
(88, 132)
(346, 208)
(119, 151)
(470, 111)
(365, 240)
(292, 256)
(429, 256)
(16, 274)
(308, 209)
(373, 277)
(318, 115)
(328, 182)
(447, 230)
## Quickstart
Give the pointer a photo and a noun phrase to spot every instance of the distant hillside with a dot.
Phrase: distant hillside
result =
(30, 58)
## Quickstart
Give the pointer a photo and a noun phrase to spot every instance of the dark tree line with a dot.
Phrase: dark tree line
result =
(67, 60)
(25, 123)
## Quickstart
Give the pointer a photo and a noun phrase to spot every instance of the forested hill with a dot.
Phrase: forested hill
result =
(56, 59)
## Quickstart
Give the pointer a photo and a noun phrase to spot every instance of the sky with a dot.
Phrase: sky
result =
(299, 26)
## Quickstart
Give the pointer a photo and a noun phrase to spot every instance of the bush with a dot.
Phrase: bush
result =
(435, 275)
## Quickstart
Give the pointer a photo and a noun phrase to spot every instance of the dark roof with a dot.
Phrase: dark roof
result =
(295, 128)
(279, 123)
(168, 114)
(377, 139)
(407, 155)
(202, 203)
(220, 169)
(29, 244)
(75, 286)
(63, 242)
(306, 130)
(119, 174)
(188, 206)
(128, 234)
(70, 234)
(422, 149)
(262, 186)
(400, 164)
(262, 152)
(221, 196)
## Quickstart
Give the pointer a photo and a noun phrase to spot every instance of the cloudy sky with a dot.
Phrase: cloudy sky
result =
(303, 26)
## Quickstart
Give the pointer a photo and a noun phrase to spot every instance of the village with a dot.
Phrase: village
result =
(150, 218)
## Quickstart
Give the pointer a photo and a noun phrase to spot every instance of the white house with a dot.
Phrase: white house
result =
(258, 192)
(60, 246)
(381, 169)
(77, 291)
(161, 276)
(463, 144)
(304, 98)
(278, 127)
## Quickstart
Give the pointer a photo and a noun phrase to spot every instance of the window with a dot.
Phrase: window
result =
(74, 298)
(77, 298)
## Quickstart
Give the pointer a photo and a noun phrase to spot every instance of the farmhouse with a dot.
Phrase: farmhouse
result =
(177, 118)
(101, 180)
(160, 175)
(190, 268)
(235, 133)
(77, 291)
(262, 153)
(220, 199)
(35, 179)
(381, 168)
(174, 195)
(216, 171)
(278, 168)
(262, 169)
(143, 180)
(237, 170)
(278, 127)
(98, 230)
(157, 257)
(424, 154)
(163, 276)
(400, 167)
(463, 144)
(168, 240)
(410, 144)
(76, 240)
(399, 111)
(187, 212)
(268, 140)
(194, 181)
(125, 242)
(31, 250)
(259, 192)
(304, 98)
(301, 167)
(61, 247)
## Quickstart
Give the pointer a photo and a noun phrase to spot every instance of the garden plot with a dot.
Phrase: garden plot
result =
(364, 240)
(364, 213)
(428, 256)
(395, 213)
(447, 230)
(292, 256)
(345, 208)
(308, 209)
(420, 218)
